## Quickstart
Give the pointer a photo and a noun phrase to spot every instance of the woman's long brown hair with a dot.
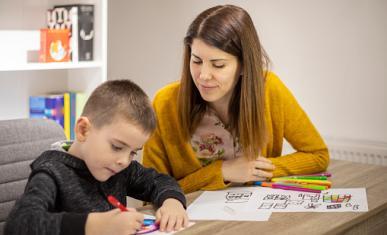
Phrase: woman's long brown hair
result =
(230, 29)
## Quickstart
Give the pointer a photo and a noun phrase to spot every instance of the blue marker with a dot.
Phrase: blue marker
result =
(148, 226)
(148, 222)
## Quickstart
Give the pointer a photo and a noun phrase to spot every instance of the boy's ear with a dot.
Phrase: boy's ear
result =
(82, 128)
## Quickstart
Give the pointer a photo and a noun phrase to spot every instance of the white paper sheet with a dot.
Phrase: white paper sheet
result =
(164, 233)
(231, 204)
(256, 203)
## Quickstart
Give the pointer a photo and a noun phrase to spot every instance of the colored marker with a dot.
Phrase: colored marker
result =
(327, 174)
(148, 222)
(311, 186)
(116, 203)
(286, 187)
(305, 177)
(148, 225)
(301, 181)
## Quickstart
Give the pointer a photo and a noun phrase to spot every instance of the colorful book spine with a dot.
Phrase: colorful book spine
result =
(73, 108)
(66, 114)
(64, 108)
(54, 108)
(47, 106)
(37, 105)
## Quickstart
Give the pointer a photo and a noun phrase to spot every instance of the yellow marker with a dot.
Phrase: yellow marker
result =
(303, 181)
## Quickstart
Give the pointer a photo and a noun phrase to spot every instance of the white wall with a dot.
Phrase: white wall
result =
(332, 54)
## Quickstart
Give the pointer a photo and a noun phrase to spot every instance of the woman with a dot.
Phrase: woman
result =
(226, 119)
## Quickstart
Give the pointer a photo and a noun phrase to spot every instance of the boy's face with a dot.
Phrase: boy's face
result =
(110, 149)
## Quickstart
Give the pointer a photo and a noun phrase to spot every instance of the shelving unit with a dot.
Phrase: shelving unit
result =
(50, 66)
(19, 81)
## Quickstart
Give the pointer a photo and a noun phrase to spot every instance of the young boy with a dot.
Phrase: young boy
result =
(67, 190)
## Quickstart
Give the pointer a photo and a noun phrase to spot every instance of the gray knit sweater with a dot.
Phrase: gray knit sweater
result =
(61, 192)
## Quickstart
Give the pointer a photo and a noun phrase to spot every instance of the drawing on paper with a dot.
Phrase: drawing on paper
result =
(339, 198)
(336, 198)
(238, 197)
(312, 205)
(276, 197)
(265, 205)
(282, 201)
(334, 206)
(290, 201)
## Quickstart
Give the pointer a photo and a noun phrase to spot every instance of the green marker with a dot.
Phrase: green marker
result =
(309, 177)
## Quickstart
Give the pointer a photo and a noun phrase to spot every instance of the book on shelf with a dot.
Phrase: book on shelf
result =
(47, 106)
(77, 102)
(54, 45)
(79, 19)
(64, 108)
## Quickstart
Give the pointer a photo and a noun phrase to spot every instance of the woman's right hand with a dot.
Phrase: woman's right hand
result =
(114, 222)
(242, 170)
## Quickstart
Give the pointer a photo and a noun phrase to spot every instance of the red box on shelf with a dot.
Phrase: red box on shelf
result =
(54, 45)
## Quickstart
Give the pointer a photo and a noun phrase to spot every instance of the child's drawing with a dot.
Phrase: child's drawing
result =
(265, 205)
(277, 200)
(312, 205)
(238, 197)
(336, 198)
(334, 206)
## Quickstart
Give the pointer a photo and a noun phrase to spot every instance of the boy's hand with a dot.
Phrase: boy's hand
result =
(114, 222)
(171, 216)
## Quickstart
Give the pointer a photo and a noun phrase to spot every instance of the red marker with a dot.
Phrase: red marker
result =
(149, 225)
(116, 203)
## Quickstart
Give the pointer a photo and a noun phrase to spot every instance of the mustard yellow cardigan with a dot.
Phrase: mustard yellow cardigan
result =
(167, 152)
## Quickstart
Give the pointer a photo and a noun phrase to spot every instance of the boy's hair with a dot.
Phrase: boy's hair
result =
(120, 98)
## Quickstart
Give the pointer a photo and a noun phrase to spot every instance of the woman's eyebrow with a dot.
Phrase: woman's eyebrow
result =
(212, 60)
(195, 56)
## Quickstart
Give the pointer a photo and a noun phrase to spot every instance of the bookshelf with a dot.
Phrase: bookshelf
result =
(50, 66)
(18, 80)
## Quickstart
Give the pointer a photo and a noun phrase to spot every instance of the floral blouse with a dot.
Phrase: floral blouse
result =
(212, 141)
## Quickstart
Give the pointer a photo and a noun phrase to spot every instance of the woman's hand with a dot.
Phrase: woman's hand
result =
(242, 170)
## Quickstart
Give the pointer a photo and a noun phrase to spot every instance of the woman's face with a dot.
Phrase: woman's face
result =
(214, 72)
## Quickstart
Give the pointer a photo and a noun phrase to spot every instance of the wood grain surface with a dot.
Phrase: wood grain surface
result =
(345, 174)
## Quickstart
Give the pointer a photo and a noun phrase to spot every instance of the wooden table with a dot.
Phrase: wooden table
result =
(345, 174)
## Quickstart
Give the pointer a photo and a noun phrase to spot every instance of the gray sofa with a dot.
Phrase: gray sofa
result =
(21, 141)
